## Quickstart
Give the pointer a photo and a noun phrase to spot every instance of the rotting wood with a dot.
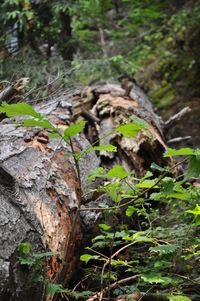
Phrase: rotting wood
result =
(39, 172)
(13, 89)
(113, 106)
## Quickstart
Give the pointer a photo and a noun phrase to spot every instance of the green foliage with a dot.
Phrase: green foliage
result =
(73, 130)
(178, 298)
(52, 288)
(117, 172)
(160, 244)
(107, 148)
(130, 130)
(19, 109)
(34, 261)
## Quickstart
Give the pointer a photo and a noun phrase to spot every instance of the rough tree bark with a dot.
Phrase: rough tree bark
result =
(38, 182)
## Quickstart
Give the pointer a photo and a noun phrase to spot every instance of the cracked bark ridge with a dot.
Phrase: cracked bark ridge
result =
(38, 199)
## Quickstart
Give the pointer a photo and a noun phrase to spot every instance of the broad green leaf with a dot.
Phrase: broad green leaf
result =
(147, 184)
(178, 298)
(154, 166)
(52, 288)
(74, 129)
(170, 152)
(130, 210)
(129, 130)
(19, 109)
(45, 254)
(117, 172)
(86, 257)
(138, 237)
(113, 190)
(147, 175)
(168, 185)
(108, 148)
(195, 211)
(139, 121)
(97, 173)
(98, 237)
(40, 123)
(164, 249)
(180, 195)
(104, 227)
(157, 196)
(153, 277)
(193, 168)
(54, 135)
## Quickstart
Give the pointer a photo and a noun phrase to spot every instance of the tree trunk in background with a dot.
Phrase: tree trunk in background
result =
(65, 41)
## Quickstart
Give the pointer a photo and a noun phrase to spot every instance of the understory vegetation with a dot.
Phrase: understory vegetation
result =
(155, 246)
(155, 43)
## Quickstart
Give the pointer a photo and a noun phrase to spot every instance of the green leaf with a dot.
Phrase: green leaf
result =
(40, 123)
(54, 135)
(74, 129)
(37, 278)
(77, 295)
(195, 211)
(24, 248)
(119, 262)
(147, 184)
(26, 261)
(139, 121)
(108, 148)
(180, 195)
(52, 288)
(193, 168)
(164, 249)
(153, 277)
(154, 166)
(129, 130)
(138, 237)
(130, 210)
(117, 172)
(86, 257)
(168, 185)
(104, 227)
(170, 152)
(178, 298)
(46, 254)
(19, 109)
(97, 173)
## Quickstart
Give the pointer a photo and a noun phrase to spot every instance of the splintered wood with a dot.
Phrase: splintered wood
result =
(111, 106)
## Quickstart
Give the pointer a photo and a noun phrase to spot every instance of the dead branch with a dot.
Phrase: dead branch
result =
(127, 86)
(178, 139)
(10, 91)
(175, 118)
(89, 116)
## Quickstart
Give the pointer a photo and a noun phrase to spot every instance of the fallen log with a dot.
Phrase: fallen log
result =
(39, 188)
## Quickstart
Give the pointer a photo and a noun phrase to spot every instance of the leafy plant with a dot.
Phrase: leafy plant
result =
(117, 246)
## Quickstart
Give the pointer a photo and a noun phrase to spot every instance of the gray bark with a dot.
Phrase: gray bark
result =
(38, 198)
